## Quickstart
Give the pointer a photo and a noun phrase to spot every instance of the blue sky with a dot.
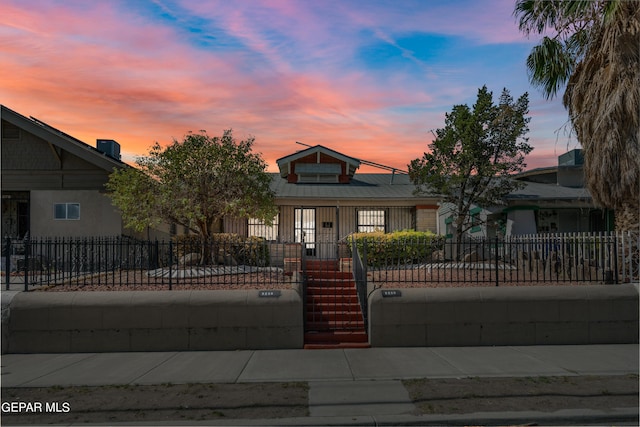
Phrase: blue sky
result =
(367, 78)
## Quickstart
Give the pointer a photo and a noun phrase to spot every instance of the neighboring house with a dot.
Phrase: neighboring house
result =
(322, 198)
(52, 183)
(554, 200)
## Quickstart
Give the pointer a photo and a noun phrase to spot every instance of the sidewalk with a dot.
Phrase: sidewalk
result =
(347, 386)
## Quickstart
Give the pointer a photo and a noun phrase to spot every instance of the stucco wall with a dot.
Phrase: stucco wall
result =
(62, 322)
(98, 217)
(52, 322)
(528, 315)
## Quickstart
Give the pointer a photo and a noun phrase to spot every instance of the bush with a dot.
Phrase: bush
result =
(397, 248)
(224, 248)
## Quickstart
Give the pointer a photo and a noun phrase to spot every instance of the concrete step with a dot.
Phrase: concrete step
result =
(336, 345)
(336, 305)
(331, 283)
(331, 302)
(334, 316)
(322, 264)
(335, 326)
(336, 339)
(329, 275)
(331, 290)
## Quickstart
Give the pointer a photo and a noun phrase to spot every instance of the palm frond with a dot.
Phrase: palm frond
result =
(550, 64)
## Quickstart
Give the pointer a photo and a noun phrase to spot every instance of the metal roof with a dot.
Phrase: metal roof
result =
(370, 186)
(540, 191)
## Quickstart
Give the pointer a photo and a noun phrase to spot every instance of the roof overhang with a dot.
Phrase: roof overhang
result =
(60, 139)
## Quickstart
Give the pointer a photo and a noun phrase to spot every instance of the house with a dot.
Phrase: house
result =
(53, 186)
(322, 198)
(554, 200)
(53, 183)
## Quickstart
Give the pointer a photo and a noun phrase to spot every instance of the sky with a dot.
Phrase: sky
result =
(368, 78)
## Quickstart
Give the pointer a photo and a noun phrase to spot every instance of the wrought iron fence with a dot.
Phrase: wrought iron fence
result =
(234, 263)
(115, 262)
(557, 258)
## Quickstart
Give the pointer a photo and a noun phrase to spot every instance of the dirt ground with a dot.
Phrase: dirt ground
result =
(166, 402)
(547, 394)
(197, 402)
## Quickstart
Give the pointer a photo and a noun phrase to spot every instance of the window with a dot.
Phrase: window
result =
(476, 221)
(317, 172)
(258, 228)
(371, 220)
(449, 227)
(66, 211)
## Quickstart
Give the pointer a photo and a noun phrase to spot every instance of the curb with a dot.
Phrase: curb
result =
(621, 416)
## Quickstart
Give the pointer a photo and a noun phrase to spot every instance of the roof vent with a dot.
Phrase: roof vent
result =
(109, 147)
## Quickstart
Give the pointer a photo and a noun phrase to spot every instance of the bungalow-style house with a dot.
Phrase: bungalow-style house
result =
(52, 183)
(53, 186)
(323, 198)
(554, 200)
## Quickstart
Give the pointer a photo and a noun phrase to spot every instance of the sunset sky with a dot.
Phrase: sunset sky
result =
(367, 78)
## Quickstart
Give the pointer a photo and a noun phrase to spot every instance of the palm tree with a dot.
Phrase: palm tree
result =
(592, 49)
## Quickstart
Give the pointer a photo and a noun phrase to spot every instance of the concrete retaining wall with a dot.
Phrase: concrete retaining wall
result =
(530, 315)
(60, 322)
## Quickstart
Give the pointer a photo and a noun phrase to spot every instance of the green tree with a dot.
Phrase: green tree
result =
(194, 183)
(472, 159)
(592, 47)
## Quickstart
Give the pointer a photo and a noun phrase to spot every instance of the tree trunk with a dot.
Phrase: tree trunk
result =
(459, 236)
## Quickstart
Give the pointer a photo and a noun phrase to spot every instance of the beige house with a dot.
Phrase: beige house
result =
(52, 183)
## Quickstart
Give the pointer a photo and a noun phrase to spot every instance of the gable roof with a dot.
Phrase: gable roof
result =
(60, 139)
(284, 162)
(315, 149)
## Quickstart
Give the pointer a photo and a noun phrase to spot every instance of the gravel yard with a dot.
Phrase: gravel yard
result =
(243, 278)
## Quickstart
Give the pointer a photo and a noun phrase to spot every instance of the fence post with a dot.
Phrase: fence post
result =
(608, 272)
(26, 262)
(7, 261)
(170, 263)
(497, 272)
(615, 257)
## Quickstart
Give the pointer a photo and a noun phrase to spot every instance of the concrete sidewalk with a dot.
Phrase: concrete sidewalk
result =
(346, 386)
(93, 369)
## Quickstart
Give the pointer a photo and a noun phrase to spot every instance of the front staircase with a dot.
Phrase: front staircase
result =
(333, 315)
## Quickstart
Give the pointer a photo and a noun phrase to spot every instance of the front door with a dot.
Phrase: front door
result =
(317, 228)
(304, 229)
(15, 214)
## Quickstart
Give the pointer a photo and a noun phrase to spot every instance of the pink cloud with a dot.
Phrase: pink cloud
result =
(98, 71)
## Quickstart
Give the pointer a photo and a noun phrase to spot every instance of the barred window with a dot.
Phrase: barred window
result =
(370, 220)
(257, 227)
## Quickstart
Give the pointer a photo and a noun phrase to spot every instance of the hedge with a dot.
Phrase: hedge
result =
(398, 248)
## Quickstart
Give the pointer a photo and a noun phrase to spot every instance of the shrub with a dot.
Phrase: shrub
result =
(226, 248)
(397, 248)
